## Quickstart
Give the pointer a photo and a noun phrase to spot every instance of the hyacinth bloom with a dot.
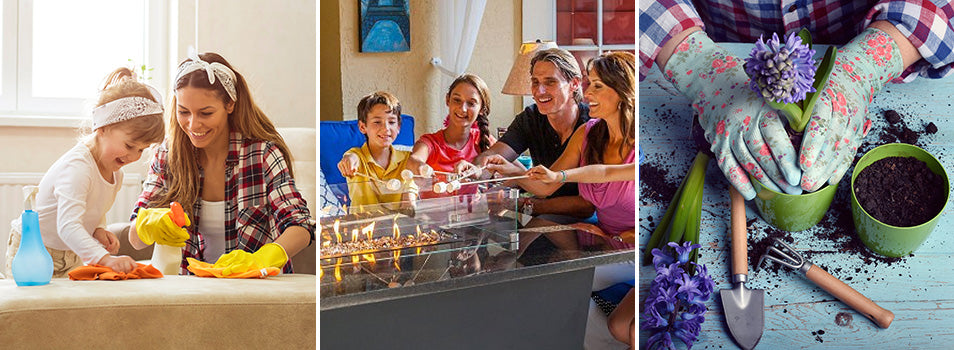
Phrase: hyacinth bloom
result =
(783, 74)
(675, 306)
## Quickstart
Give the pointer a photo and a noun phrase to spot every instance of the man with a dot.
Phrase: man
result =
(545, 128)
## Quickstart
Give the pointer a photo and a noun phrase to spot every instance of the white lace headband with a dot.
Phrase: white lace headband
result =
(124, 109)
(213, 70)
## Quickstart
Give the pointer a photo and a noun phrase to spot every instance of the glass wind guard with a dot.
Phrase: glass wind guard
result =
(370, 247)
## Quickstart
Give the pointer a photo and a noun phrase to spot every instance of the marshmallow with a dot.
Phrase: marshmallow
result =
(427, 171)
(440, 187)
(407, 174)
(394, 184)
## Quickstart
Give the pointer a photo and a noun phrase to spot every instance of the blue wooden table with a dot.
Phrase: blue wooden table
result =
(798, 314)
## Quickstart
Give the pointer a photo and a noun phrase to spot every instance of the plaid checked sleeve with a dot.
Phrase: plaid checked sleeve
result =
(659, 21)
(929, 25)
(287, 203)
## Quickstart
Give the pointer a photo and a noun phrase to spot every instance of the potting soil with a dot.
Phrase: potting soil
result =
(900, 191)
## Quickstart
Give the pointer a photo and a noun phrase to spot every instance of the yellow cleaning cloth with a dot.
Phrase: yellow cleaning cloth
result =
(204, 269)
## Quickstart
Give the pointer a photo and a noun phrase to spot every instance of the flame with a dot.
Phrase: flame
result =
(355, 260)
(418, 250)
(337, 234)
(368, 230)
(369, 257)
(396, 230)
(418, 228)
(397, 255)
(325, 238)
(354, 235)
(321, 272)
(338, 270)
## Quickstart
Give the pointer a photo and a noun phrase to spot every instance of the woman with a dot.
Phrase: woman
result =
(228, 167)
(601, 159)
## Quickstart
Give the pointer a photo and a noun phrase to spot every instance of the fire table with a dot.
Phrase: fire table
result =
(442, 273)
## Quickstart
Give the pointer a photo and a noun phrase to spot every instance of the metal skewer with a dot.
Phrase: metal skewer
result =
(495, 180)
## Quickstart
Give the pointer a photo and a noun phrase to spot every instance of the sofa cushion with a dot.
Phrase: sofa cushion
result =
(337, 137)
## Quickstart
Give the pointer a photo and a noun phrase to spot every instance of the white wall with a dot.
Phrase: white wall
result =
(271, 43)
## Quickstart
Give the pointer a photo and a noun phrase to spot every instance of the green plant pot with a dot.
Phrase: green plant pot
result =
(791, 213)
(884, 239)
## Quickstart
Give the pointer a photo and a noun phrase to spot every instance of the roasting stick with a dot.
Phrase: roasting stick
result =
(392, 184)
(495, 180)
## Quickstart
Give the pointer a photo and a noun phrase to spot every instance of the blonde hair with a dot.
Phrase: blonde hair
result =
(121, 83)
(182, 171)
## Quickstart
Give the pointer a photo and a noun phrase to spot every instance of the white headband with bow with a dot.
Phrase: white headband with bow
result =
(124, 109)
(213, 70)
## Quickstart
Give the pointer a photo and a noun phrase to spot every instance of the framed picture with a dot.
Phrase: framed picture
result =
(385, 26)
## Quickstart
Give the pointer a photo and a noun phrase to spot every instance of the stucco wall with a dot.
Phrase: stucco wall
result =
(411, 77)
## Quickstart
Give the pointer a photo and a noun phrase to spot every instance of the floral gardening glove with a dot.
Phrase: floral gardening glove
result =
(744, 132)
(839, 120)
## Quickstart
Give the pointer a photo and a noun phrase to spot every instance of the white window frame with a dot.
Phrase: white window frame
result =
(540, 22)
(19, 108)
(8, 49)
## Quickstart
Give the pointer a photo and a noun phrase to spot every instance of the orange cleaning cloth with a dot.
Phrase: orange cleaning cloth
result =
(99, 272)
(204, 269)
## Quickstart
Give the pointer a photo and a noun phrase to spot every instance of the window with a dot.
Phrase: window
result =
(586, 28)
(57, 52)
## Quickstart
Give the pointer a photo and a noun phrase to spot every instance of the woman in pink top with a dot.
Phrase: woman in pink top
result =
(602, 158)
(467, 130)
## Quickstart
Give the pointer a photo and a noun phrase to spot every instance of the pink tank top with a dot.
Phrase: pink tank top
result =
(615, 202)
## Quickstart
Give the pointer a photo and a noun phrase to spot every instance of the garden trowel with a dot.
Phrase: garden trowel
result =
(743, 307)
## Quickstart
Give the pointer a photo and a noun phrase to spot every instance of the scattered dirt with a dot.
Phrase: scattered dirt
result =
(897, 130)
(900, 191)
(654, 185)
(843, 319)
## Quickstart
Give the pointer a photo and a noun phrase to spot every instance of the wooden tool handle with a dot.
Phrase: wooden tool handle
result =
(738, 234)
(850, 296)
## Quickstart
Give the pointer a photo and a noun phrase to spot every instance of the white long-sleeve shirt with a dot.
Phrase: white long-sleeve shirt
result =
(72, 202)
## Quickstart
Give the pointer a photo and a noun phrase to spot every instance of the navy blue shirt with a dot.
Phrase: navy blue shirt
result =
(532, 130)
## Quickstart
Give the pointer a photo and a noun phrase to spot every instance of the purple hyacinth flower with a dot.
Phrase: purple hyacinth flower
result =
(675, 306)
(682, 251)
(778, 73)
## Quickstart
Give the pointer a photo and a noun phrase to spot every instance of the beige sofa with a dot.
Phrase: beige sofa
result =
(173, 312)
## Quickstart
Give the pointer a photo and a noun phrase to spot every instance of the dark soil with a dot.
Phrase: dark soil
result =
(653, 184)
(897, 129)
(900, 191)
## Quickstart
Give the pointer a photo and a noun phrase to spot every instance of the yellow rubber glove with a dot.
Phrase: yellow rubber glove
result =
(155, 225)
(240, 261)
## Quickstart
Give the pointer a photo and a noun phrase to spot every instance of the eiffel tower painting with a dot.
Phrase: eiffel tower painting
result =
(385, 26)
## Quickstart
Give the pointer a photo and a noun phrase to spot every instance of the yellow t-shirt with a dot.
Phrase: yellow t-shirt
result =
(365, 191)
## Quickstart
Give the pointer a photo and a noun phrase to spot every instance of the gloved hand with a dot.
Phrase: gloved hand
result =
(729, 111)
(838, 123)
(155, 225)
(239, 261)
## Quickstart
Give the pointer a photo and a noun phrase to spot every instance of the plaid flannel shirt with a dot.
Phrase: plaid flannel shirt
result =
(929, 25)
(261, 200)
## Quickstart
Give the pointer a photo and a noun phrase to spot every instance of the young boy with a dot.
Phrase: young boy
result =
(379, 119)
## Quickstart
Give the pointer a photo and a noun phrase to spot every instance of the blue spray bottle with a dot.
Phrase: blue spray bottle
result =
(32, 266)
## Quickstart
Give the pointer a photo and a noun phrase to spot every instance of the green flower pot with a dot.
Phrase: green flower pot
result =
(791, 213)
(884, 239)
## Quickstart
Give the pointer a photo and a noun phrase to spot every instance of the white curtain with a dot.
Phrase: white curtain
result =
(459, 23)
